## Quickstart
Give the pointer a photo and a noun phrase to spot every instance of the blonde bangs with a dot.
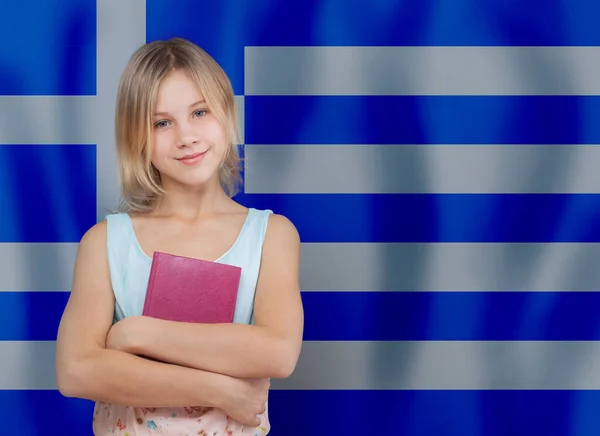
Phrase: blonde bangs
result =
(138, 179)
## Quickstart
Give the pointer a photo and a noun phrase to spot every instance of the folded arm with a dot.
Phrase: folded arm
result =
(270, 348)
(85, 368)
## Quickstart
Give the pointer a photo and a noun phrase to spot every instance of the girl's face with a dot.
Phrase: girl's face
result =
(188, 143)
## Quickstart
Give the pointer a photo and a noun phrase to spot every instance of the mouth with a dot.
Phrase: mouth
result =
(192, 158)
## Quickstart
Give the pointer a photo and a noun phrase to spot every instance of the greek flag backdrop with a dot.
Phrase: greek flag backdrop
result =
(438, 157)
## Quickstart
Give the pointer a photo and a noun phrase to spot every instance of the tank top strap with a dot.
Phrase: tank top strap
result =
(253, 233)
(118, 244)
(247, 254)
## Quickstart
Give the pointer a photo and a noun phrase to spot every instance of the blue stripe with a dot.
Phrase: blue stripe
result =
(59, 206)
(397, 413)
(48, 192)
(354, 23)
(30, 413)
(49, 47)
(422, 316)
(435, 413)
(378, 316)
(422, 120)
(31, 316)
(437, 217)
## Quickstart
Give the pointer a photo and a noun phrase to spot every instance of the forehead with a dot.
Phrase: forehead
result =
(177, 90)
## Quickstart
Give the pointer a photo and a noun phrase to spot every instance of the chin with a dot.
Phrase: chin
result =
(193, 182)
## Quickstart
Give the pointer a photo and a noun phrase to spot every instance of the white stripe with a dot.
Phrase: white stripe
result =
(121, 31)
(446, 365)
(27, 365)
(368, 267)
(382, 365)
(422, 169)
(36, 267)
(450, 267)
(422, 70)
(239, 104)
(48, 120)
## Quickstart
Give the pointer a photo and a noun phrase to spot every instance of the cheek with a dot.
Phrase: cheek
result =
(159, 145)
(159, 151)
(220, 143)
(214, 133)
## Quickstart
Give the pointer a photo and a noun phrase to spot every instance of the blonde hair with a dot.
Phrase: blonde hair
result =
(139, 180)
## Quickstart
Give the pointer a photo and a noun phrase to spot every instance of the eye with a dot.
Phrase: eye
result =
(161, 124)
(200, 112)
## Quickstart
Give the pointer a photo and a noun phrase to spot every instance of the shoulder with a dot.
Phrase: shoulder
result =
(281, 234)
(113, 227)
(95, 235)
(281, 225)
(92, 245)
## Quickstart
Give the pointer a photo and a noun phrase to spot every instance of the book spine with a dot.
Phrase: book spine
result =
(150, 288)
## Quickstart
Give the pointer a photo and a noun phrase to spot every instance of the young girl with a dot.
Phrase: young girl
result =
(176, 132)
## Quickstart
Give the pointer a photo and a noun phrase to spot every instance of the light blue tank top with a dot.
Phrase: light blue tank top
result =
(130, 266)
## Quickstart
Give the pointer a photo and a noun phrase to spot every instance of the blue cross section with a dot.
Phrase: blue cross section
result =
(48, 47)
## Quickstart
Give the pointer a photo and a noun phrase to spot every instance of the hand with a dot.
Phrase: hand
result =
(245, 399)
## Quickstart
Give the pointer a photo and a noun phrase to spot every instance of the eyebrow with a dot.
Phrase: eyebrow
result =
(192, 105)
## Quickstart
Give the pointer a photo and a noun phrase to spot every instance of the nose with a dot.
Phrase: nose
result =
(186, 135)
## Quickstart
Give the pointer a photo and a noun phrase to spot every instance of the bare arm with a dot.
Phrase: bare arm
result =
(270, 348)
(86, 369)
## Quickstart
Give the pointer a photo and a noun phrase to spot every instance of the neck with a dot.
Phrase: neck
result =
(191, 203)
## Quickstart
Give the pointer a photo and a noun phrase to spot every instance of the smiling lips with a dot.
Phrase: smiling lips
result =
(191, 159)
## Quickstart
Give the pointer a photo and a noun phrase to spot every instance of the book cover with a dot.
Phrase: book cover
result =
(191, 290)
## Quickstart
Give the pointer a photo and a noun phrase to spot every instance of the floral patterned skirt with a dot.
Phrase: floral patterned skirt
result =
(113, 419)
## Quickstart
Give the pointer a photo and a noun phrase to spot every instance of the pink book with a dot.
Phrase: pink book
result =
(191, 290)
